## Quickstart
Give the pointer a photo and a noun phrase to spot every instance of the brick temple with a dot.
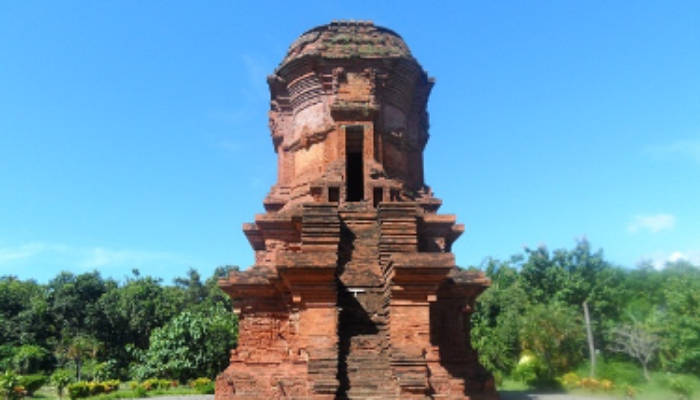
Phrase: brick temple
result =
(354, 293)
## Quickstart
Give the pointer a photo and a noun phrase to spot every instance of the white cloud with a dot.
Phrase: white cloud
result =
(688, 149)
(652, 223)
(660, 258)
(27, 251)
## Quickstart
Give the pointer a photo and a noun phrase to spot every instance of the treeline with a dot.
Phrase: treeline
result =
(530, 324)
(100, 329)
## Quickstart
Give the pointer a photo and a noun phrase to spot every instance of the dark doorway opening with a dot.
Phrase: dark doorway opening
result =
(333, 194)
(354, 174)
(378, 196)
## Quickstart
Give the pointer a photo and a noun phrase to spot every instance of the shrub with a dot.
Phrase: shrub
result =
(682, 387)
(111, 385)
(156, 384)
(106, 371)
(78, 390)
(570, 380)
(60, 379)
(209, 388)
(621, 372)
(84, 389)
(10, 386)
(203, 385)
(527, 369)
(95, 388)
(32, 383)
(607, 385)
(590, 384)
(177, 351)
(139, 391)
(630, 392)
(17, 393)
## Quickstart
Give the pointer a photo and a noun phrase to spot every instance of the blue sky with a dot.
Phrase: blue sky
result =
(134, 134)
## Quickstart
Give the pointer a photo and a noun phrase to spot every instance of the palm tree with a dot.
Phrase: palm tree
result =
(77, 349)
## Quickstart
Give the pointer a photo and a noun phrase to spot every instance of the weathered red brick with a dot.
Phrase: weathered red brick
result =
(354, 293)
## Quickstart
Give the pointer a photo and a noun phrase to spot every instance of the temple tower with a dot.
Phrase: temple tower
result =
(354, 293)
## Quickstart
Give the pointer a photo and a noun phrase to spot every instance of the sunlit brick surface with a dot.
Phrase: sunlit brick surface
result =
(354, 293)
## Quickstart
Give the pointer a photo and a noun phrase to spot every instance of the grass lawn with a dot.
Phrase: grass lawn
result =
(661, 387)
(124, 392)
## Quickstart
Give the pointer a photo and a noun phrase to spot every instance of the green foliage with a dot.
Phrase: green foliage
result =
(10, 386)
(28, 358)
(680, 319)
(570, 380)
(72, 300)
(637, 341)
(32, 383)
(83, 389)
(106, 371)
(683, 387)
(6, 353)
(554, 333)
(528, 368)
(535, 303)
(684, 390)
(203, 385)
(156, 384)
(78, 350)
(24, 316)
(78, 390)
(130, 313)
(495, 324)
(140, 391)
(60, 379)
(86, 323)
(186, 330)
(191, 345)
(541, 275)
(620, 372)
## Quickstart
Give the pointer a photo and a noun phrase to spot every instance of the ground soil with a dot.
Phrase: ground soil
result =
(520, 395)
(505, 395)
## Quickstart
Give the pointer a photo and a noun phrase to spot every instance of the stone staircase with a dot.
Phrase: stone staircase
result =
(369, 370)
(365, 367)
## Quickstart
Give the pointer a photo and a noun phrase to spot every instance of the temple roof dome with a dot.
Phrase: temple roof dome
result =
(348, 39)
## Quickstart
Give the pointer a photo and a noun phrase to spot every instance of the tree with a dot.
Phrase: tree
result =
(496, 321)
(60, 379)
(541, 275)
(216, 296)
(28, 358)
(24, 317)
(636, 341)
(193, 344)
(680, 318)
(192, 288)
(10, 387)
(554, 333)
(73, 299)
(77, 349)
(128, 315)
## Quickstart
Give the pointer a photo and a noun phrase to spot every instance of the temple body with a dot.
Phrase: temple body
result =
(354, 292)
